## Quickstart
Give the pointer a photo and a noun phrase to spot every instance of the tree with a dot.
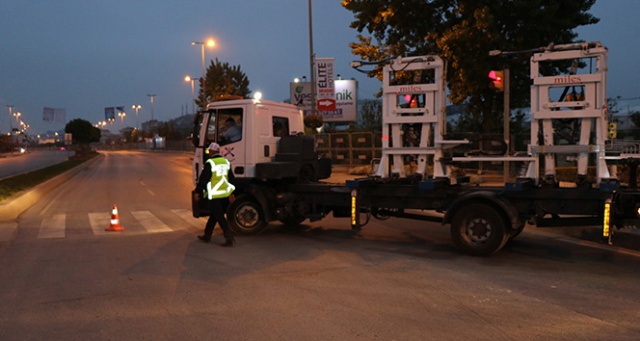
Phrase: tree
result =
(222, 81)
(463, 32)
(82, 134)
(372, 116)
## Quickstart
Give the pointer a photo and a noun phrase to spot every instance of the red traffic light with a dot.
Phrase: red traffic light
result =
(497, 78)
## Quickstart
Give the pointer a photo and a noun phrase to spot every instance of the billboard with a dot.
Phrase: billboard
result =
(345, 97)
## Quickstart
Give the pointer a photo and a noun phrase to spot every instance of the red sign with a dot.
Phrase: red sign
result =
(327, 104)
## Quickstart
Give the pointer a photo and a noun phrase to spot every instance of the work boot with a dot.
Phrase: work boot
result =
(205, 238)
(228, 243)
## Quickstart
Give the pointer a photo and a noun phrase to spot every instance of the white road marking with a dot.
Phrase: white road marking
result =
(187, 216)
(54, 227)
(150, 222)
(99, 222)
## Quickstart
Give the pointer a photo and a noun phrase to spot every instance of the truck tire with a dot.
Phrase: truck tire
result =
(516, 231)
(478, 230)
(245, 216)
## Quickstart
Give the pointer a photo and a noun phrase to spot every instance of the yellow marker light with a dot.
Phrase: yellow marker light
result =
(353, 208)
(605, 225)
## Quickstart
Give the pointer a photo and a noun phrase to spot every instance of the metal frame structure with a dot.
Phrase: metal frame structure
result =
(429, 114)
(589, 109)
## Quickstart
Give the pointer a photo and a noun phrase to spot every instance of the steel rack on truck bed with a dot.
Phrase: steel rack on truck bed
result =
(483, 219)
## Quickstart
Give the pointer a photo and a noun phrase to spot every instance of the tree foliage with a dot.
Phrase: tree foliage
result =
(222, 81)
(463, 32)
(372, 116)
(82, 132)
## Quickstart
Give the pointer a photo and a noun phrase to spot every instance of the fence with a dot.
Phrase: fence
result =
(350, 148)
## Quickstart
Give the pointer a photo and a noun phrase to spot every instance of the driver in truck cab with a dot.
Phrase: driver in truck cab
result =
(232, 132)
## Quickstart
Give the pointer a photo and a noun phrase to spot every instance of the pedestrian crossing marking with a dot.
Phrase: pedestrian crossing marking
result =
(54, 227)
(187, 216)
(150, 222)
(99, 222)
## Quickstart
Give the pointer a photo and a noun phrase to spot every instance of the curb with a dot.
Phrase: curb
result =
(13, 207)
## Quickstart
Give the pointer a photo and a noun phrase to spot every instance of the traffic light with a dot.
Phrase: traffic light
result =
(497, 79)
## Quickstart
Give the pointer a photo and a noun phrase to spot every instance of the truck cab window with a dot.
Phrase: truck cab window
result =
(280, 126)
(229, 126)
(211, 130)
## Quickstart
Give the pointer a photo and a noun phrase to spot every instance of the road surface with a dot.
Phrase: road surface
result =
(16, 164)
(63, 277)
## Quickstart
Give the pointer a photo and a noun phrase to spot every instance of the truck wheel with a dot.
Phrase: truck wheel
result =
(516, 232)
(478, 230)
(245, 217)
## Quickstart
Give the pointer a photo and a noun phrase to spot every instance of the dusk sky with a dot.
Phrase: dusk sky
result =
(85, 55)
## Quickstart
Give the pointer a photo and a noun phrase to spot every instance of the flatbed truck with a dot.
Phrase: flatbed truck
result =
(417, 174)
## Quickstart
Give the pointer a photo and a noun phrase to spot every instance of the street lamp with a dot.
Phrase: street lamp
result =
(122, 114)
(210, 43)
(151, 97)
(10, 117)
(136, 107)
(193, 98)
(17, 116)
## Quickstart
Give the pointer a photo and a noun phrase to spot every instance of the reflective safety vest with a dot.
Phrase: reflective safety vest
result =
(219, 185)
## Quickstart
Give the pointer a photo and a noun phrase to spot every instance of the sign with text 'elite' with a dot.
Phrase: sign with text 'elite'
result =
(325, 84)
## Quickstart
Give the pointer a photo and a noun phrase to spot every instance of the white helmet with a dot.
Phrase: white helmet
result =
(214, 147)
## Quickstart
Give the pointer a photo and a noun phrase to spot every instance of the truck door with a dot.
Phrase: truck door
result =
(227, 127)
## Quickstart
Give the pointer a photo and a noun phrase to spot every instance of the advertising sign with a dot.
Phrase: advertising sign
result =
(345, 100)
(325, 84)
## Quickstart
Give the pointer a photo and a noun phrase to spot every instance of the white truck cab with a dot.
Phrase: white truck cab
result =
(247, 131)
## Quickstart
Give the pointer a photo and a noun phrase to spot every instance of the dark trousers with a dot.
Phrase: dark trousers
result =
(216, 215)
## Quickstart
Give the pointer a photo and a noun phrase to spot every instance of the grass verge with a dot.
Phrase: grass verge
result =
(14, 185)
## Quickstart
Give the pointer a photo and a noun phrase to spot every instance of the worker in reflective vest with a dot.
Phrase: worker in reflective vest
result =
(214, 184)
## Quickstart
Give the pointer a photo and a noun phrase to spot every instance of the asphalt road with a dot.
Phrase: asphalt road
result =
(63, 277)
(13, 164)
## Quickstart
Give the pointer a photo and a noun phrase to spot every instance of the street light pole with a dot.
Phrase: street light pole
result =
(193, 98)
(152, 96)
(136, 108)
(10, 117)
(210, 43)
(312, 62)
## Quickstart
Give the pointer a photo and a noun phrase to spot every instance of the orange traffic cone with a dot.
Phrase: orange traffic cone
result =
(115, 221)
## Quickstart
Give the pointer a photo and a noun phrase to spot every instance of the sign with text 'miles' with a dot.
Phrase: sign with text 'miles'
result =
(326, 99)
(345, 99)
